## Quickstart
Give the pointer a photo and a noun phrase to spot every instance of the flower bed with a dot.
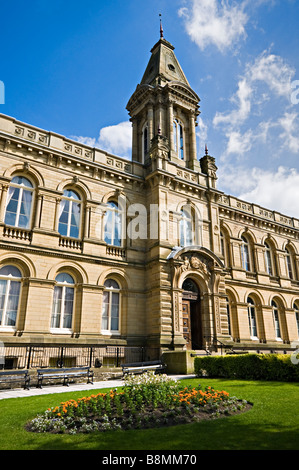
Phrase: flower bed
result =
(145, 401)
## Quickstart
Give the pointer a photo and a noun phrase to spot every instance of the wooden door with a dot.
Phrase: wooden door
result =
(187, 323)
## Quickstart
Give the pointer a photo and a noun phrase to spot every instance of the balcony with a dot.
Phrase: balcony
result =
(17, 233)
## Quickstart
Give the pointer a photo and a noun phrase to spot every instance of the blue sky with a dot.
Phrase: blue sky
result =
(70, 67)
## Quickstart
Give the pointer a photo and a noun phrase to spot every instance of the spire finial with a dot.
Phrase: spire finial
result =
(161, 27)
(206, 150)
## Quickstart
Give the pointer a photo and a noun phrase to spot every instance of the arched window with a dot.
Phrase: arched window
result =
(63, 302)
(144, 141)
(113, 224)
(269, 260)
(111, 307)
(10, 287)
(245, 254)
(178, 139)
(229, 315)
(252, 318)
(276, 320)
(296, 308)
(186, 225)
(70, 214)
(224, 248)
(290, 265)
(19, 203)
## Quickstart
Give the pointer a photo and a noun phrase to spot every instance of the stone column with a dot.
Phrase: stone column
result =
(3, 201)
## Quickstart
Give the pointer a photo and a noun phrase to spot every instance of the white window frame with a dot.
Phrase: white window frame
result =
(71, 202)
(110, 291)
(276, 320)
(178, 130)
(289, 264)
(269, 260)
(9, 279)
(21, 188)
(246, 254)
(252, 324)
(63, 285)
(186, 217)
(116, 211)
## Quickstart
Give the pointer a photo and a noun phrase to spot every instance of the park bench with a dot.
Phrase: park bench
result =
(64, 373)
(15, 376)
(141, 367)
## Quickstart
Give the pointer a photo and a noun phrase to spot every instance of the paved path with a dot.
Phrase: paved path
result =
(46, 390)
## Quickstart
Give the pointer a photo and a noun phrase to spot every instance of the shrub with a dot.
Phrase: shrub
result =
(250, 366)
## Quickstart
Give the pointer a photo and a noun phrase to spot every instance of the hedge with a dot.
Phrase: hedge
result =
(248, 366)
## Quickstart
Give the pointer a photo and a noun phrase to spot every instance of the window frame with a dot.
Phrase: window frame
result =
(63, 286)
(71, 201)
(115, 211)
(246, 252)
(291, 273)
(110, 291)
(22, 188)
(252, 315)
(186, 216)
(269, 260)
(8, 279)
(179, 139)
(276, 320)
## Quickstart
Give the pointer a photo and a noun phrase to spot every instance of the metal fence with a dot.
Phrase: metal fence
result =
(39, 356)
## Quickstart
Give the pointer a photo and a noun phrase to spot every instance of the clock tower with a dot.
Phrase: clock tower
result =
(163, 111)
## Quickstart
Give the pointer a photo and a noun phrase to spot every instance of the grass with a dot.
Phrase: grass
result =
(271, 424)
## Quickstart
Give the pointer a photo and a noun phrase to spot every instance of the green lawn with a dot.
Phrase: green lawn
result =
(272, 424)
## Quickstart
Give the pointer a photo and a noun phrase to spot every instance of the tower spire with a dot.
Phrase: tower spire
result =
(161, 27)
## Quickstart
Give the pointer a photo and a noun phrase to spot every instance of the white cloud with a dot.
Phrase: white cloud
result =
(201, 134)
(272, 189)
(115, 139)
(290, 126)
(212, 22)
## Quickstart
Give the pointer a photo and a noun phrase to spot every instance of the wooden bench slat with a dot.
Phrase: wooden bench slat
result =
(142, 366)
(64, 373)
(16, 376)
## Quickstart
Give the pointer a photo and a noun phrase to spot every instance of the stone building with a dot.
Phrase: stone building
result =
(99, 250)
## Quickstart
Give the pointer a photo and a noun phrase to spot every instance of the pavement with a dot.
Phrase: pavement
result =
(50, 389)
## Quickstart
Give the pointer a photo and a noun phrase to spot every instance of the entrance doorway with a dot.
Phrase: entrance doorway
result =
(192, 329)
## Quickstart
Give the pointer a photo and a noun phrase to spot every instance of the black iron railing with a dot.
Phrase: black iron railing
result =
(38, 356)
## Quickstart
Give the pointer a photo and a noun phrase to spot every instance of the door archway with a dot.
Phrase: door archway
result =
(191, 308)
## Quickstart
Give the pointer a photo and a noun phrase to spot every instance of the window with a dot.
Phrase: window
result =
(224, 248)
(186, 228)
(144, 141)
(269, 260)
(178, 139)
(113, 224)
(69, 214)
(252, 318)
(228, 313)
(276, 321)
(111, 307)
(290, 271)
(19, 203)
(245, 254)
(10, 287)
(296, 308)
(63, 302)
